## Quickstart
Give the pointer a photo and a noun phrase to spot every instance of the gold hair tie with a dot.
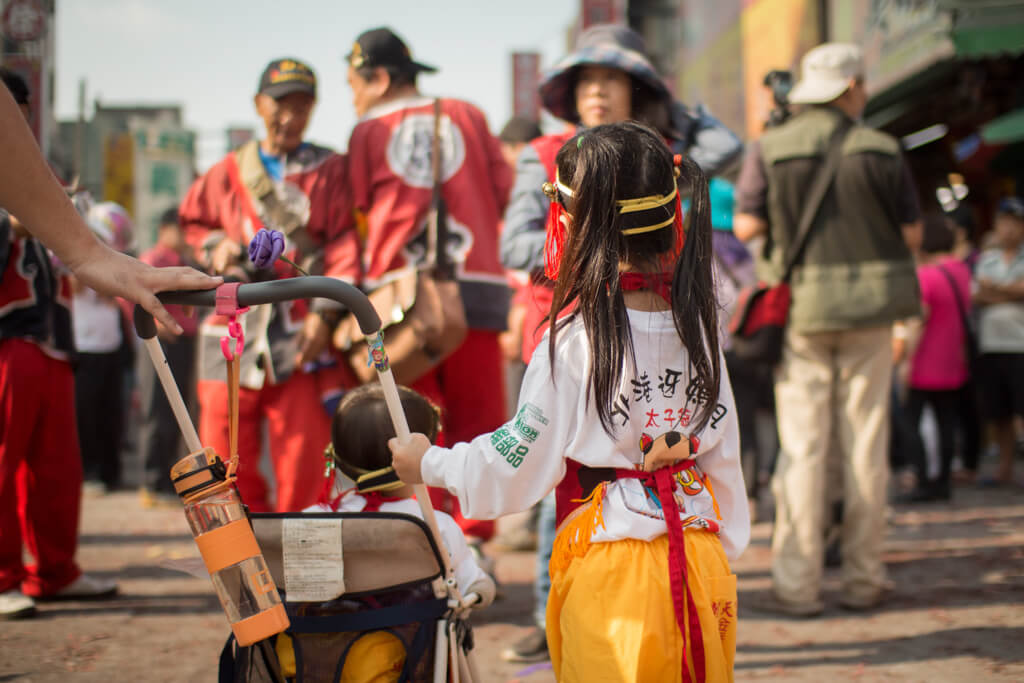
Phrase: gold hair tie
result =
(650, 228)
(646, 203)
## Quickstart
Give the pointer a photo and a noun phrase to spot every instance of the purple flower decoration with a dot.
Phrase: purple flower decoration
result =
(265, 248)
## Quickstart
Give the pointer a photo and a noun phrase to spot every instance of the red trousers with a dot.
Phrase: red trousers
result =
(298, 429)
(469, 388)
(40, 470)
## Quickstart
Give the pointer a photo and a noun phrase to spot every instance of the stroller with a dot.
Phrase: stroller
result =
(364, 592)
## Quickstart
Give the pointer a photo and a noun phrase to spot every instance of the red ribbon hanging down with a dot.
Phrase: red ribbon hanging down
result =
(663, 479)
(227, 306)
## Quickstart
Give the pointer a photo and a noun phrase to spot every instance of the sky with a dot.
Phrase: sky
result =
(207, 55)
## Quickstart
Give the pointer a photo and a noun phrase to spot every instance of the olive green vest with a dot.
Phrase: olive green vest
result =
(856, 270)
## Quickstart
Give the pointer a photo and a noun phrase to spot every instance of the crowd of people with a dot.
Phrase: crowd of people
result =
(598, 382)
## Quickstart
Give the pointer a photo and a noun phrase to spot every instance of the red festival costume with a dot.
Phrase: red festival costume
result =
(391, 179)
(311, 205)
(40, 465)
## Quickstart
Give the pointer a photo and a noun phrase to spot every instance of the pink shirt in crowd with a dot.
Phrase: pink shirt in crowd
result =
(940, 362)
(162, 257)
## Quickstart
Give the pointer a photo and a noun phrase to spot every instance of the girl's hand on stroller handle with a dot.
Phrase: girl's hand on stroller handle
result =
(407, 456)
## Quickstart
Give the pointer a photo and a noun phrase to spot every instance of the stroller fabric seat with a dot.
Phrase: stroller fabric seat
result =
(359, 588)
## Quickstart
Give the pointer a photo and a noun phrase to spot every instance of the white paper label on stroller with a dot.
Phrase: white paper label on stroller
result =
(314, 567)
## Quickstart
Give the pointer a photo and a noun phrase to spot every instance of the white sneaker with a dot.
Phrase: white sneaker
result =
(85, 587)
(16, 605)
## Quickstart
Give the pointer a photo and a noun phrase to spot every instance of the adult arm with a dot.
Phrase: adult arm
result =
(711, 144)
(751, 217)
(989, 292)
(986, 289)
(522, 240)
(29, 191)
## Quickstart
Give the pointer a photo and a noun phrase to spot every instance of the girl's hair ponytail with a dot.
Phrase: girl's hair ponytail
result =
(595, 170)
(693, 293)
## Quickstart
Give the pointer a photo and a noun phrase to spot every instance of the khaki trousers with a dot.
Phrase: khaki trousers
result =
(832, 391)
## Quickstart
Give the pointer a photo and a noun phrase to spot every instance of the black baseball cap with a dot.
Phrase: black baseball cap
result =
(285, 76)
(381, 47)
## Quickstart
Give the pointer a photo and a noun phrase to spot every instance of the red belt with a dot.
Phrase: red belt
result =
(663, 481)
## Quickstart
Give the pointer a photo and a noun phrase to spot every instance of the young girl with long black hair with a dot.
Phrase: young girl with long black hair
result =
(626, 412)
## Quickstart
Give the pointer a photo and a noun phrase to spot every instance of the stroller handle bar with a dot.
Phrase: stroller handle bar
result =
(286, 290)
(316, 286)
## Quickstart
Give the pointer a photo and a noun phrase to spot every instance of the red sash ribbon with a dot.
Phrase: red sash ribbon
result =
(663, 480)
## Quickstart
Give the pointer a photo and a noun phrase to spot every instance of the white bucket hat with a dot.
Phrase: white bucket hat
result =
(825, 73)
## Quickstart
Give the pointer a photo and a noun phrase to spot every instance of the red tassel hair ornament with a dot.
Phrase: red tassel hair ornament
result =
(555, 229)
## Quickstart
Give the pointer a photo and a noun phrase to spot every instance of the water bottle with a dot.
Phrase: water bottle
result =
(228, 547)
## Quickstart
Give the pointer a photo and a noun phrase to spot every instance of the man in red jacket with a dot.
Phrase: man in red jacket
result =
(300, 189)
(391, 178)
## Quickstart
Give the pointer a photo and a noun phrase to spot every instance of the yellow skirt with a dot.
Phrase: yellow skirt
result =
(610, 615)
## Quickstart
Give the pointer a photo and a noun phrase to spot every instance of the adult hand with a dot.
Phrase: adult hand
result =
(314, 338)
(115, 274)
(226, 254)
(407, 456)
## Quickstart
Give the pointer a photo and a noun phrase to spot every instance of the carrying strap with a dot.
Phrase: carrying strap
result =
(437, 220)
(819, 188)
(250, 197)
(244, 193)
(227, 305)
(964, 319)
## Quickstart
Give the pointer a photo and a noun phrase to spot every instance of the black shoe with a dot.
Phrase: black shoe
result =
(768, 603)
(533, 647)
(931, 492)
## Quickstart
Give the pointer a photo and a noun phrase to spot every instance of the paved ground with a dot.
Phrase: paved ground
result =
(957, 612)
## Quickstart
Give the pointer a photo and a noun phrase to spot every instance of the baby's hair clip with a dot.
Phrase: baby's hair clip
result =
(579, 142)
(549, 190)
(677, 162)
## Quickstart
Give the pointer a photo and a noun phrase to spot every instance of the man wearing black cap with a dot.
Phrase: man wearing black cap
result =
(300, 189)
(391, 177)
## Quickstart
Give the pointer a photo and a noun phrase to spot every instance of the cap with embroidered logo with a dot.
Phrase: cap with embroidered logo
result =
(286, 76)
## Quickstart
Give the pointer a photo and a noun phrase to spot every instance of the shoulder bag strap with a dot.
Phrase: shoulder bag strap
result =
(964, 319)
(437, 223)
(245, 198)
(822, 182)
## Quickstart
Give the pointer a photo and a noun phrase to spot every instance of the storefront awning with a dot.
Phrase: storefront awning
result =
(1005, 129)
(987, 28)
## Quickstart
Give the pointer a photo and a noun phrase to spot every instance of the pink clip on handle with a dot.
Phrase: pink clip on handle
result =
(227, 299)
(225, 345)
(227, 305)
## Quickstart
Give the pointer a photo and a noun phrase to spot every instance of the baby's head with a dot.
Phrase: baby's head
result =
(362, 426)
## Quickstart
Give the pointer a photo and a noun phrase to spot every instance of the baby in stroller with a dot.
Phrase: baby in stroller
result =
(381, 625)
(359, 450)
